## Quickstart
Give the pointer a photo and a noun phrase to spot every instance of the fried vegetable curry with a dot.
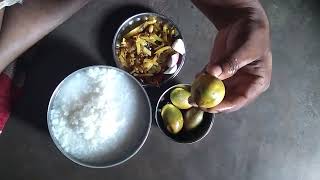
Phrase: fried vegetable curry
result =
(145, 50)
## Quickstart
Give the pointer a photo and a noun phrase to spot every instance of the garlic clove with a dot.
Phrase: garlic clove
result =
(179, 47)
(173, 60)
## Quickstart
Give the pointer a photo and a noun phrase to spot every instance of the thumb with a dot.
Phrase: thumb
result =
(226, 68)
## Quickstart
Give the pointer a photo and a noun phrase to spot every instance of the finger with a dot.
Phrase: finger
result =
(220, 47)
(252, 49)
(227, 68)
(230, 104)
(236, 99)
(208, 111)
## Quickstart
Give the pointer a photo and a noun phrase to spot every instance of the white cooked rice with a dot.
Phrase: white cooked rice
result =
(88, 111)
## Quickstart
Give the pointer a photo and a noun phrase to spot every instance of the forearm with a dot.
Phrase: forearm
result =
(24, 25)
(225, 12)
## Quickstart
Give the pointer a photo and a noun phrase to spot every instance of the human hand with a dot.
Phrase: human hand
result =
(242, 58)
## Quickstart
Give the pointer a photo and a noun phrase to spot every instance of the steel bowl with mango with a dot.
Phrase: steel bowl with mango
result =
(180, 115)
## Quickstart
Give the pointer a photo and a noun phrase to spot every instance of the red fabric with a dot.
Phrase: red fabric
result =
(5, 99)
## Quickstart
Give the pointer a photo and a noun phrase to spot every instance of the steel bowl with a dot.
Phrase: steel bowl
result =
(133, 22)
(132, 136)
(183, 136)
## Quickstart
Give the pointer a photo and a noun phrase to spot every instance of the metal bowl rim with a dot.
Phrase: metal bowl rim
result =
(74, 159)
(115, 57)
(162, 131)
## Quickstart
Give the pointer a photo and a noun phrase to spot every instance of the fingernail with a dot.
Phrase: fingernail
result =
(214, 70)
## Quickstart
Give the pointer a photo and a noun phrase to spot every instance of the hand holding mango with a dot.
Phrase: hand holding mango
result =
(207, 91)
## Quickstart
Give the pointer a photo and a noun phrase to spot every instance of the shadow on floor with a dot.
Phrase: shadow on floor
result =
(47, 64)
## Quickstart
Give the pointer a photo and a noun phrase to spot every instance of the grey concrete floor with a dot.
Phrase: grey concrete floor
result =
(276, 137)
